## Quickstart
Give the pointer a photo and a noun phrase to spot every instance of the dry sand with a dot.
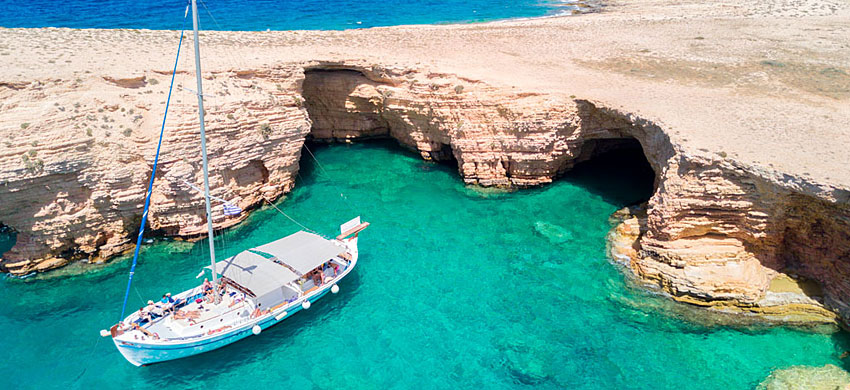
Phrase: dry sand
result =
(765, 82)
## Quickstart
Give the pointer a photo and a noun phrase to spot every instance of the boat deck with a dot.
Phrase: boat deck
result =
(196, 318)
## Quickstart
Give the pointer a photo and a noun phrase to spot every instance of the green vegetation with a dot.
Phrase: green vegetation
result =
(265, 130)
(25, 125)
(773, 63)
(32, 165)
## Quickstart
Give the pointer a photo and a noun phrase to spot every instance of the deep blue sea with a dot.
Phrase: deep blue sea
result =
(265, 14)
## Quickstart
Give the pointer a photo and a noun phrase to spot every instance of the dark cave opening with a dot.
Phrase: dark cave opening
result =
(8, 237)
(616, 169)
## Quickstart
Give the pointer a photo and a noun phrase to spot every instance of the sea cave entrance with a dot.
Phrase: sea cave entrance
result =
(345, 105)
(616, 169)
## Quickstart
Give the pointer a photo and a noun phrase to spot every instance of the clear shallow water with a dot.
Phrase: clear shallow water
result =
(456, 288)
(265, 14)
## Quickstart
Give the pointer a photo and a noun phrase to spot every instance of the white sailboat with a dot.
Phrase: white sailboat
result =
(250, 291)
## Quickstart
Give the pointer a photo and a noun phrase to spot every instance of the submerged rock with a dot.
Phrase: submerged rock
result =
(828, 377)
(554, 233)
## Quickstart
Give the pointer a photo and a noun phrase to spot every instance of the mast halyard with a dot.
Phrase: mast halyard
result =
(203, 140)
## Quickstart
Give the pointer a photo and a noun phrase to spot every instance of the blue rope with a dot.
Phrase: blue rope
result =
(153, 174)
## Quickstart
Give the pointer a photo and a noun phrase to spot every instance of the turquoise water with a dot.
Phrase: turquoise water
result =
(456, 288)
(266, 14)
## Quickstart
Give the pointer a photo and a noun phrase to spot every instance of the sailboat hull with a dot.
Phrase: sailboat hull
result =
(140, 354)
(144, 352)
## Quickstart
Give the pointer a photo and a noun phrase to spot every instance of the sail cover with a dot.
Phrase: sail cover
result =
(255, 273)
(302, 251)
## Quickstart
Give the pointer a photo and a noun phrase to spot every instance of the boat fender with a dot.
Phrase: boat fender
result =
(334, 289)
(256, 329)
(305, 305)
(281, 315)
(104, 333)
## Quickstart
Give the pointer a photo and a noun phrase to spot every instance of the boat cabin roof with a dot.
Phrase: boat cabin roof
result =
(258, 270)
(301, 251)
(254, 272)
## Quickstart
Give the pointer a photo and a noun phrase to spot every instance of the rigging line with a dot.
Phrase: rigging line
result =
(201, 191)
(322, 168)
(291, 219)
(96, 342)
(231, 59)
(153, 172)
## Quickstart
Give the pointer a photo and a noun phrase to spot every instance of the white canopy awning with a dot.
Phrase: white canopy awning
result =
(254, 272)
(302, 251)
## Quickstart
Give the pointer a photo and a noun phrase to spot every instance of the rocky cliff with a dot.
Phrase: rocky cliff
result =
(716, 231)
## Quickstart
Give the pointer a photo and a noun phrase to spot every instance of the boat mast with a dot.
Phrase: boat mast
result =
(203, 140)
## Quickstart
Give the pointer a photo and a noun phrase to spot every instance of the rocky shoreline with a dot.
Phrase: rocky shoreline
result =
(729, 226)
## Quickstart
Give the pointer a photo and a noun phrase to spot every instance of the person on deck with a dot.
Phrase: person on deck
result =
(167, 303)
(317, 277)
(153, 310)
(144, 315)
(208, 289)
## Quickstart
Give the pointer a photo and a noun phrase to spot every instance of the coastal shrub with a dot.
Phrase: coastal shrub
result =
(298, 102)
(265, 130)
(458, 89)
(25, 125)
(34, 143)
(773, 63)
(88, 132)
(127, 132)
(32, 165)
(833, 72)
(154, 82)
(230, 116)
(506, 113)
(100, 109)
(32, 153)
